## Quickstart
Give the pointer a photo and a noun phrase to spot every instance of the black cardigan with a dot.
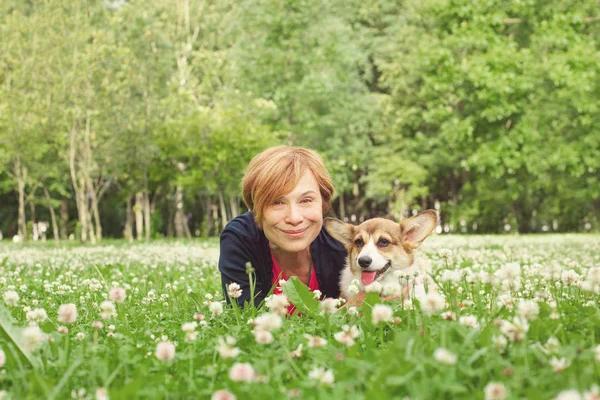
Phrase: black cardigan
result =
(243, 241)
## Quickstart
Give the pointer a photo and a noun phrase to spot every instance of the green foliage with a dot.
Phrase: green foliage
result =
(487, 109)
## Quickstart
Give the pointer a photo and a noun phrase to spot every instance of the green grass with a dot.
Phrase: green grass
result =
(389, 360)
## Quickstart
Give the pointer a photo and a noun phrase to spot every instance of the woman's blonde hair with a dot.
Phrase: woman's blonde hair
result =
(276, 171)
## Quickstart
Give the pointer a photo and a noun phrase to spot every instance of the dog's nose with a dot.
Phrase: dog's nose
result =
(364, 261)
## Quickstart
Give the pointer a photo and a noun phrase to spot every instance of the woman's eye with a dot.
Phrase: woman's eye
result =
(307, 201)
(359, 242)
(383, 242)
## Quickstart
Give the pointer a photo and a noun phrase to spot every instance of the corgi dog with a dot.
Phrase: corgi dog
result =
(378, 247)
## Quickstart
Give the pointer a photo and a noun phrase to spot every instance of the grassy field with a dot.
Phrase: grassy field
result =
(516, 317)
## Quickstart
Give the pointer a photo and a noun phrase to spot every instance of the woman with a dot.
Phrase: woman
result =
(287, 190)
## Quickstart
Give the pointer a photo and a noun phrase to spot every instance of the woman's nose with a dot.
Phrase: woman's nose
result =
(294, 215)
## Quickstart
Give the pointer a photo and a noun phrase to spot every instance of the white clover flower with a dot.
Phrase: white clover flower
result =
(118, 295)
(374, 287)
(189, 327)
(315, 342)
(381, 313)
(528, 309)
(593, 275)
(262, 337)
(515, 331)
(190, 331)
(80, 336)
(234, 290)
(223, 395)
(592, 394)
(559, 364)
(317, 294)
(329, 305)
(242, 372)
(297, 353)
(108, 309)
(568, 395)
(570, 277)
(432, 303)
(32, 337)
(102, 394)
(322, 376)
(216, 308)
(38, 315)
(449, 315)
(67, 313)
(226, 347)
(448, 275)
(495, 391)
(352, 310)
(353, 289)
(552, 345)
(470, 321)
(277, 303)
(11, 298)
(444, 356)
(165, 351)
(509, 271)
(268, 322)
(597, 353)
(391, 289)
(445, 253)
(347, 335)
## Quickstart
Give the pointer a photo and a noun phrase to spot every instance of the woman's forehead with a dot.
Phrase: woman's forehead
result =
(305, 185)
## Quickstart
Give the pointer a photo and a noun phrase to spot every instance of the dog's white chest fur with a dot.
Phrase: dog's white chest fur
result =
(417, 273)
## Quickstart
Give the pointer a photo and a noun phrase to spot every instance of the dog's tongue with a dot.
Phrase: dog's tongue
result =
(368, 277)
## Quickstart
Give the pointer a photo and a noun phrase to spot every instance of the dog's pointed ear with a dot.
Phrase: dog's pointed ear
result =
(339, 230)
(416, 229)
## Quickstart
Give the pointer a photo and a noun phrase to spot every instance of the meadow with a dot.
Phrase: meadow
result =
(516, 317)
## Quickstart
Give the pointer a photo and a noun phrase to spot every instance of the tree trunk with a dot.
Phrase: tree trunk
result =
(234, 206)
(180, 221)
(342, 207)
(224, 218)
(139, 217)
(147, 215)
(87, 164)
(52, 215)
(64, 219)
(128, 231)
(22, 226)
(94, 201)
(208, 225)
(35, 234)
(87, 216)
(79, 196)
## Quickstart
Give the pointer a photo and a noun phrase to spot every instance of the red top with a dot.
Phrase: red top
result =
(277, 275)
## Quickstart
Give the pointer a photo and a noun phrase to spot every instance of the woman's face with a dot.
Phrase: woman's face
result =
(294, 220)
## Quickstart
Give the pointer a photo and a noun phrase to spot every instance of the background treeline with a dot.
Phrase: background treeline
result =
(137, 118)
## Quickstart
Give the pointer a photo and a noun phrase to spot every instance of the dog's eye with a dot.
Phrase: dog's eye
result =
(359, 243)
(383, 242)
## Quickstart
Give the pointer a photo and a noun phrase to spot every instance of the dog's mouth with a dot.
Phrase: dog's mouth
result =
(369, 277)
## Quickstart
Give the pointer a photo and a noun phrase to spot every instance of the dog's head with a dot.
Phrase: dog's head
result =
(379, 244)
